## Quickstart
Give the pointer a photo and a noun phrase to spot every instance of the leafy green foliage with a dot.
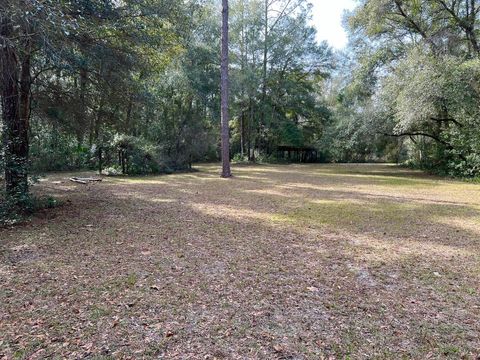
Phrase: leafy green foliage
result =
(16, 208)
(415, 86)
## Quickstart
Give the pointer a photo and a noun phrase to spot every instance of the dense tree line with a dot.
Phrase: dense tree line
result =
(72, 75)
(133, 87)
(411, 90)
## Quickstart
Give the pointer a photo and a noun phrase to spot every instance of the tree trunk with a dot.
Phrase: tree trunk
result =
(100, 160)
(242, 134)
(224, 94)
(264, 75)
(470, 26)
(243, 56)
(99, 120)
(80, 113)
(124, 162)
(128, 119)
(15, 94)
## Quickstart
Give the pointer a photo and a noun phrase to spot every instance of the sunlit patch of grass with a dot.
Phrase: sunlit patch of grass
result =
(251, 177)
(271, 192)
(464, 223)
(151, 180)
(157, 200)
(399, 181)
(349, 214)
(382, 179)
(231, 212)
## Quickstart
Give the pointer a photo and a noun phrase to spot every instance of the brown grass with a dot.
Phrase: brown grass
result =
(301, 262)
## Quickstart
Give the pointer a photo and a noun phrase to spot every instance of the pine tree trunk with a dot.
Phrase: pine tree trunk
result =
(15, 93)
(224, 94)
(250, 122)
(243, 56)
(264, 76)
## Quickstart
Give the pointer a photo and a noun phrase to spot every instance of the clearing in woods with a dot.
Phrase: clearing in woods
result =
(299, 261)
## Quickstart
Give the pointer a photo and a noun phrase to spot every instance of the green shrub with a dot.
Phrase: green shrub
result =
(15, 209)
(52, 150)
(136, 156)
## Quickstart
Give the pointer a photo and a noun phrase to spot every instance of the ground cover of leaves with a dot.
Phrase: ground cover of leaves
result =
(279, 262)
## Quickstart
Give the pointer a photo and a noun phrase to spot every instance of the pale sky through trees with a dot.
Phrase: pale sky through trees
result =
(327, 18)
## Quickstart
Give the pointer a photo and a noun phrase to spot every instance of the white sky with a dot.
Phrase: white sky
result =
(327, 18)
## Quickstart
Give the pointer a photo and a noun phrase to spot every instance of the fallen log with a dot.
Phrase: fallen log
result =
(84, 180)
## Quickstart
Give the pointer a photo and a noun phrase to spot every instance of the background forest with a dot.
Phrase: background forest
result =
(133, 87)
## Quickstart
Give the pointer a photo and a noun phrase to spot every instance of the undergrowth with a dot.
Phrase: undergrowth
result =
(15, 210)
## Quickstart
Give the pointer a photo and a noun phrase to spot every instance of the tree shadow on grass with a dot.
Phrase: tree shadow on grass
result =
(222, 269)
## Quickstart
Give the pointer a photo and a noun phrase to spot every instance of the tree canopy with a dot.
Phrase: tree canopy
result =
(415, 71)
(134, 86)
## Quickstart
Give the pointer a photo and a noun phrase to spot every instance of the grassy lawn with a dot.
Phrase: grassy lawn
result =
(298, 261)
